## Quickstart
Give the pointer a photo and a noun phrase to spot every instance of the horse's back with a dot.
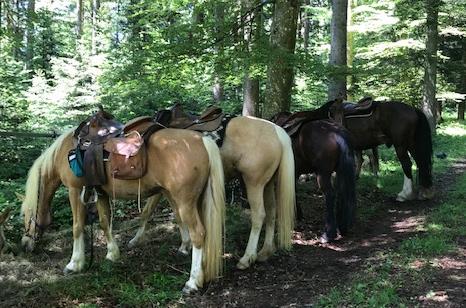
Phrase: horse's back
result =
(250, 143)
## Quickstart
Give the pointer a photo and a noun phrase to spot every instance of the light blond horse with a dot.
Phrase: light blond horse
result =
(261, 153)
(182, 165)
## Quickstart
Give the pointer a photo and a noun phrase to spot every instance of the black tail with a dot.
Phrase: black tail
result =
(345, 185)
(423, 150)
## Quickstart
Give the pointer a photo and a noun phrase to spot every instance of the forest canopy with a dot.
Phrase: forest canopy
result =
(59, 59)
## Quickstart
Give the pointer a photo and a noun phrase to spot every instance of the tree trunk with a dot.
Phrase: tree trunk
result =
(79, 20)
(217, 89)
(430, 71)
(351, 52)
(251, 32)
(306, 25)
(95, 6)
(337, 78)
(462, 104)
(280, 68)
(30, 34)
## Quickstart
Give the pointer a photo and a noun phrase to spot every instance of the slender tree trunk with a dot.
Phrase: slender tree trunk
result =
(337, 79)
(251, 32)
(280, 69)
(430, 71)
(217, 88)
(95, 6)
(30, 34)
(462, 104)
(79, 19)
(306, 25)
(351, 52)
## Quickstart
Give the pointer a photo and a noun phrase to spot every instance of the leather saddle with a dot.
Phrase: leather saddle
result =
(364, 107)
(210, 120)
(124, 143)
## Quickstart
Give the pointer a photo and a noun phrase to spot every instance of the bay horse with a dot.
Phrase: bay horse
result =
(392, 123)
(323, 147)
(261, 153)
(182, 165)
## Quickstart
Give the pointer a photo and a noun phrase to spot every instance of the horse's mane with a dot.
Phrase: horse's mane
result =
(42, 166)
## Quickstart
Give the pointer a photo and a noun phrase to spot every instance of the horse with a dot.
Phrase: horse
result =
(260, 152)
(323, 147)
(182, 165)
(392, 123)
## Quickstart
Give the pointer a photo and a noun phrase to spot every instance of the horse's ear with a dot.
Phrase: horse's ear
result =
(20, 197)
(4, 216)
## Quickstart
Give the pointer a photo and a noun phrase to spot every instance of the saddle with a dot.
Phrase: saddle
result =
(364, 107)
(208, 121)
(123, 144)
(211, 122)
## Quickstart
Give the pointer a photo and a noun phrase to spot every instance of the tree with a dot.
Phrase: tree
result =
(251, 32)
(30, 33)
(338, 28)
(280, 69)
(95, 7)
(429, 102)
(79, 19)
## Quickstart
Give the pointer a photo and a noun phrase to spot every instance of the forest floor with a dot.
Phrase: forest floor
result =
(298, 278)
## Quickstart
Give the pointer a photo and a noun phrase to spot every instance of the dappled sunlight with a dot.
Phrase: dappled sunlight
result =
(410, 224)
(382, 239)
(433, 297)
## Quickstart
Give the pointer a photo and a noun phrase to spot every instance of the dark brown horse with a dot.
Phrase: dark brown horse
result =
(322, 147)
(392, 123)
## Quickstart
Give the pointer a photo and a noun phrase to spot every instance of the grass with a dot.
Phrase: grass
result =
(382, 285)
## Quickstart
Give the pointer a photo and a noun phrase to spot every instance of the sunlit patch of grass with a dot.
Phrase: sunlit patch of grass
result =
(431, 245)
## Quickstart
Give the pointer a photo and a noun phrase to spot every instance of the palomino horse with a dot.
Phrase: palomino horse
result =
(260, 152)
(182, 165)
(392, 123)
(322, 147)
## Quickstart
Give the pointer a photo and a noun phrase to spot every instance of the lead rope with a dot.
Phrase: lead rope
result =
(139, 195)
(112, 204)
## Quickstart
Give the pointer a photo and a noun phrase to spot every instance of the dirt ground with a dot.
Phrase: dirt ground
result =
(288, 279)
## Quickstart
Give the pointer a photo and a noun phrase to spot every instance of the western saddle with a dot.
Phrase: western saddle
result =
(124, 145)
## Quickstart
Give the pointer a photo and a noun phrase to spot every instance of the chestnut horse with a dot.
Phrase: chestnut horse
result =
(323, 147)
(260, 152)
(182, 165)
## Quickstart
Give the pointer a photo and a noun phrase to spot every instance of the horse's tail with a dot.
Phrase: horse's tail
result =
(345, 184)
(423, 150)
(213, 211)
(285, 191)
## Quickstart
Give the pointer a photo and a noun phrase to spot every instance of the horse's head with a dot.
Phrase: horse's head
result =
(42, 182)
(3, 217)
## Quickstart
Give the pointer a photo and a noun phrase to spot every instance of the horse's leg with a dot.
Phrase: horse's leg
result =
(270, 216)
(407, 192)
(189, 216)
(256, 202)
(358, 160)
(330, 232)
(147, 211)
(375, 161)
(79, 217)
(185, 239)
(103, 206)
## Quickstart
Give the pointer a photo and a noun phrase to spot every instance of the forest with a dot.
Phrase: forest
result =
(60, 60)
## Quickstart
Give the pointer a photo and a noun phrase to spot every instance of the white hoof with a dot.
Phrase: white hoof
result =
(113, 253)
(73, 267)
(27, 243)
(190, 287)
(246, 261)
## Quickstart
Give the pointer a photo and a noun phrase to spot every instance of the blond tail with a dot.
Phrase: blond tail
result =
(213, 209)
(285, 191)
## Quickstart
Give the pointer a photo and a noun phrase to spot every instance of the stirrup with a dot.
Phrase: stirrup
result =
(91, 199)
